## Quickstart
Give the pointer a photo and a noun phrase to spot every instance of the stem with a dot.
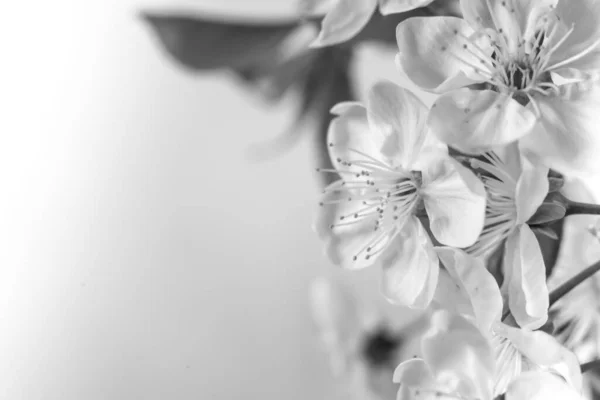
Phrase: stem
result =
(575, 207)
(590, 366)
(574, 281)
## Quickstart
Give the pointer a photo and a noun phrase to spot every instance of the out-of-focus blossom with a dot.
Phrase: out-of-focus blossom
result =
(576, 316)
(468, 289)
(459, 362)
(512, 69)
(363, 341)
(346, 18)
(540, 385)
(516, 187)
(392, 172)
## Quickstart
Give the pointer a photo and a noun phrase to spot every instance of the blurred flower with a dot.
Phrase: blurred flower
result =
(459, 362)
(531, 60)
(363, 342)
(393, 172)
(515, 187)
(576, 316)
(467, 288)
(346, 18)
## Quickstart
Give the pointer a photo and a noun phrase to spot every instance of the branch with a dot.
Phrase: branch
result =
(566, 287)
(591, 365)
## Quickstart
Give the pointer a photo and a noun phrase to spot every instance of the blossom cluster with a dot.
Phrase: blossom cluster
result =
(451, 201)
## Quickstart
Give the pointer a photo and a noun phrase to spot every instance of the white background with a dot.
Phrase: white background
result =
(142, 255)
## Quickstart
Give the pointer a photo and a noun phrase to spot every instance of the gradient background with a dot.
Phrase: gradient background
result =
(144, 256)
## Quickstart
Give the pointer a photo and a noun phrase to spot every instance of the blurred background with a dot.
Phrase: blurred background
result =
(145, 253)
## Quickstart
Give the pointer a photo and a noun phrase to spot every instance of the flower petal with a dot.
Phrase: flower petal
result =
(349, 135)
(408, 266)
(478, 285)
(432, 53)
(538, 385)
(532, 188)
(457, 353)
(344, 21)
(475, 121)
(519, 20)
(399, 117)
(544, 350)
(454, 199)
(584, 17)
(567, 138)
(526, 279)
(397, 6)
(347, 237)
(413, 374)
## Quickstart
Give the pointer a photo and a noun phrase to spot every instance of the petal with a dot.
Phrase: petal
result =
(459, 355)
(454, 199)
(544, 350)
(347, 237)
(399, 117)
(478, 285)
(567, 138)
(344, 21)
(538, 385)
(532, 188)
(413, 374)
(584, 17)
(397, 6)
(475, 121)
(527, 290)
(348, 136)
(432, 53)
(408, 266)
(518, 20)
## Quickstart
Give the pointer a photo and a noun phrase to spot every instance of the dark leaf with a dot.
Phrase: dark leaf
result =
(548, 212)
(546, 231)
(205, 43)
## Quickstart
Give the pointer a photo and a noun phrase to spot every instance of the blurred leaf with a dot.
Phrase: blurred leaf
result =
(205, 43)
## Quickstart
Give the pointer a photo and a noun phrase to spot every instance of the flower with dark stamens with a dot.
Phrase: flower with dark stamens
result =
(512, 69)
(394, 172)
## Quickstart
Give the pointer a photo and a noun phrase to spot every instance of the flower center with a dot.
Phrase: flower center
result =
(381, 196)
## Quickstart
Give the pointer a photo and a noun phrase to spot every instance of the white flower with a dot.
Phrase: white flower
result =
(392, 173)
(516, 188)
(364, 341)
(460, 363)
(347, 18)
(536, 65)
(467, 288)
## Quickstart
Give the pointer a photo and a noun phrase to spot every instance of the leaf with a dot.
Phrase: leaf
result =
(205, 43)
(548, 212)
(546, 231)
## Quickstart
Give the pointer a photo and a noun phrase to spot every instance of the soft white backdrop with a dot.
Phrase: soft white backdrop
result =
(142, 255)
